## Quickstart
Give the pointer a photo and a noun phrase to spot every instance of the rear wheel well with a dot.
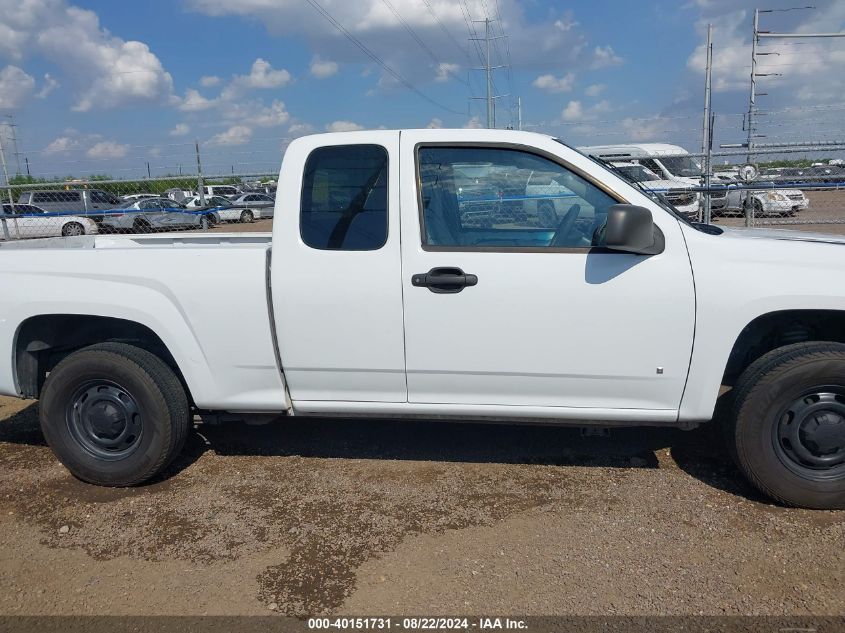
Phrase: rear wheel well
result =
(778, 329)
(44, 340)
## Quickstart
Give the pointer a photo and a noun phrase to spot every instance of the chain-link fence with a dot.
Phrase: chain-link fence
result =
(770, 188)
(85, 207)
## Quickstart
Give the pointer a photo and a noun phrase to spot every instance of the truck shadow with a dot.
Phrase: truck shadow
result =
(698, 453)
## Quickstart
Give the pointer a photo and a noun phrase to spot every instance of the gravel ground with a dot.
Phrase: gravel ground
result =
(308, 516)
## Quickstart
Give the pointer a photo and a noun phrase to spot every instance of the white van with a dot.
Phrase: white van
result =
(227, 191)
(672, 165)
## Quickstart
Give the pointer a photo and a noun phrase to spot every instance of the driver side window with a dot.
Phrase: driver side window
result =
(491, 197)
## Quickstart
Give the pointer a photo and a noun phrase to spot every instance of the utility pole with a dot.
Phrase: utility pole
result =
(149, 175)
(519, 113)
(752, 97)
(488, 69)
(27, 167)
(13, 127)
(707, 131)
(758, 35)
(200, 186)
(8, 189)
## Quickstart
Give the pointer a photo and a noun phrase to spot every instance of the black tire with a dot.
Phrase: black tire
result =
(73, 228)
(247, 217)
(160, 417)
(141, 226)
(788, 417)
(205, 223)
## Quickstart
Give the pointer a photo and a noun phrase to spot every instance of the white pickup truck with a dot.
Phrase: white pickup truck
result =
(373, 297)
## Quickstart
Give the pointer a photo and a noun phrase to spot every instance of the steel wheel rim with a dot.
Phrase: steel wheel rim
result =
(809, 436)
(105, 420)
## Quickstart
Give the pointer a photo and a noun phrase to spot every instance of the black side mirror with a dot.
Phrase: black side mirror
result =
(631, 229)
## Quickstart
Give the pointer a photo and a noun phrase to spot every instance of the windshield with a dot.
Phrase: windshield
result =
(635, 173)
(126, 205)
(684, 166)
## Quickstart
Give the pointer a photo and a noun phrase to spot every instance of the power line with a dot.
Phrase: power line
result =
(445, 30)
(441, 67)
(378, 60)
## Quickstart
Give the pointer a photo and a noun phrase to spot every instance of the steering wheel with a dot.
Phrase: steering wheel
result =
(565, 226)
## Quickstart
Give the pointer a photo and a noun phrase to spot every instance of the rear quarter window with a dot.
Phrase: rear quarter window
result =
(344, 198)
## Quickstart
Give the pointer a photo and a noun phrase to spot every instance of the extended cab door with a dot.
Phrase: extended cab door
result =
(336, 269)
(512, 305)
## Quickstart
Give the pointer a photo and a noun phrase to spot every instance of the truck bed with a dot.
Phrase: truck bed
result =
(205, 296)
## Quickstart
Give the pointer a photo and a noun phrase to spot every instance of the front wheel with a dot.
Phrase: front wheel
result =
(73, 228)
(788, 425)
(247, 216)
(114, 414)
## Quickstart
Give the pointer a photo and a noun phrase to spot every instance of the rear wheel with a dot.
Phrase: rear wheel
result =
(788, 425)
(141, 226)
(114, 414)
(247, 216)
(546, 215)
(73, 228)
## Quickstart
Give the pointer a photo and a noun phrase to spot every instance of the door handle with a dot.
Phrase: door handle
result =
(444, 280)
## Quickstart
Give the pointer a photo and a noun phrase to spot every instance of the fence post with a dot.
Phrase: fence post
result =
(200, 185)
(8, 190)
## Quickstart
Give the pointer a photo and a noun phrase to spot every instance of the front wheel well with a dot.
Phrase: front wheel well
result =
(778, 329)
(43, 341)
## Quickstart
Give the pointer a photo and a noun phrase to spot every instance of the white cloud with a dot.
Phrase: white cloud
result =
(573, 111)
(16, 87)
(61, 144)
(550, 83)
(300, 129)
(323, 68)
(49, 86)
(435, 124)
(272, 116)
(594, 90)
(209, 81)
(343, 126)
(194, 101)
(535, 37)
(104, 70)
(107, 149)
(263, 75)
(235, 135)
(445, 71)
(474, 123)
(181, 129)
(604, 56)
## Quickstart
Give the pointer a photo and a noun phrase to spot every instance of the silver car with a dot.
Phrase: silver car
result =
(155, 215)
(259, 204)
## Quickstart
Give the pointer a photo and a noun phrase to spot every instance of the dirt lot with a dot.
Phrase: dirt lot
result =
(308, 516)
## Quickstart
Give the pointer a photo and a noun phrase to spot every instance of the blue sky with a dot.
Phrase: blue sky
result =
(98, 86)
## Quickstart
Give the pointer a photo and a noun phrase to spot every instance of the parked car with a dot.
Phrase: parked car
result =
(767, 202)
(30, 221)
(673, 192)
(227, 191)
(378, 301)
(223, 207)
(88, 202)
(179, 195)
(259, 204)
(153, 215)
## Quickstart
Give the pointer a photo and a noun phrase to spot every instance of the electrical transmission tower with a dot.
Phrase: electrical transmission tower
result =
(488, 69)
